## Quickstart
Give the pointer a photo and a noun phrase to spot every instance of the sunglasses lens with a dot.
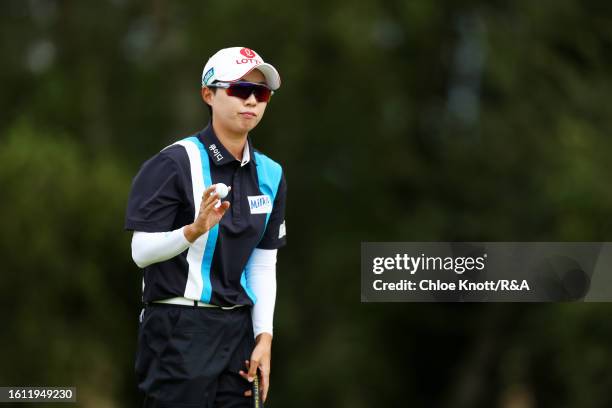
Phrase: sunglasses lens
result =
(240, 91)
(262, 94)
(243, 91)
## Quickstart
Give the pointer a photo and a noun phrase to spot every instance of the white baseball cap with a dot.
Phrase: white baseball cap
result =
(231, 64)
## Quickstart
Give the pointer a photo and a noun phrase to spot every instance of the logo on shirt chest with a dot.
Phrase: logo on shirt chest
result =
(260, 204)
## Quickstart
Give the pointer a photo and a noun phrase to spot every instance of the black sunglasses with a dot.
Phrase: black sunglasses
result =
(243, 90)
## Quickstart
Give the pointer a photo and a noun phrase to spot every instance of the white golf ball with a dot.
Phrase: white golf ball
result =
(222, 190)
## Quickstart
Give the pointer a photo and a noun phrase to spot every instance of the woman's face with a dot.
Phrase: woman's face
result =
(234, 114)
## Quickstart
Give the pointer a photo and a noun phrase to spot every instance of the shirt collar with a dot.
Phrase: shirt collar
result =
(218, 153)
(246, 154)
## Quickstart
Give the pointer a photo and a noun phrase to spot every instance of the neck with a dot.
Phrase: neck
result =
(233, 142)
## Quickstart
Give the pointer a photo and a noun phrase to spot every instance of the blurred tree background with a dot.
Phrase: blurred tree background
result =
(397, 121)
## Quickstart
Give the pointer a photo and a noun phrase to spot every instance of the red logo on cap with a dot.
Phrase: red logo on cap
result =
(247, 52)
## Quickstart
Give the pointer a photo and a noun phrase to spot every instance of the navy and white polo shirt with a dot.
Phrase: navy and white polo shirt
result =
(165, 195)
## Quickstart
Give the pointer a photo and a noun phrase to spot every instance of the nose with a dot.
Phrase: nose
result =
(251, 100)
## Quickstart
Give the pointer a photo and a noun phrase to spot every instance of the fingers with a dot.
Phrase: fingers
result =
(221, 207)
(211, 189)
(252, 369)
(210, 199)
(210, 196)
(264, 375)
(244, 374)
(265, 384)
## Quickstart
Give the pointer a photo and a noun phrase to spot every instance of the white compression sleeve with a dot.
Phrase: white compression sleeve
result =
(261, 278)
(152, 247)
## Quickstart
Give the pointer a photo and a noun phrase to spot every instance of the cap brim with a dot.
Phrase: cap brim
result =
(271, 74)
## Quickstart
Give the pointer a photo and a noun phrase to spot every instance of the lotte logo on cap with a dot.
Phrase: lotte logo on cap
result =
(251, 57)
(247, 52)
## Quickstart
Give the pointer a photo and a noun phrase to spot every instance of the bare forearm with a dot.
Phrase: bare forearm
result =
(264, 339)
(193, 232)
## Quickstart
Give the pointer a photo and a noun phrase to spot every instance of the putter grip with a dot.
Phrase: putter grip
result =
(257, 403)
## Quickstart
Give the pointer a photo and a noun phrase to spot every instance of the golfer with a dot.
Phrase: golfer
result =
(209, 262)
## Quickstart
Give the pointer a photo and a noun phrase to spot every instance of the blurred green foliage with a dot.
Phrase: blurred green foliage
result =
(396, 121)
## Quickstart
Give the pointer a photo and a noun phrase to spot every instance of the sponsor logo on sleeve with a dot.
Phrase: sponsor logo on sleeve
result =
(282, 231)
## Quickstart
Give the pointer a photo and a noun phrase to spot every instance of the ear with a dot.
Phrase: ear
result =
(207, 95)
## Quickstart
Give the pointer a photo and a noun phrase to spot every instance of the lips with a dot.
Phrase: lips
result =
(248, 114)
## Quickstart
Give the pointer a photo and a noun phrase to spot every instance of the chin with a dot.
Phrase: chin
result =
(242, 129)
(248, 126)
